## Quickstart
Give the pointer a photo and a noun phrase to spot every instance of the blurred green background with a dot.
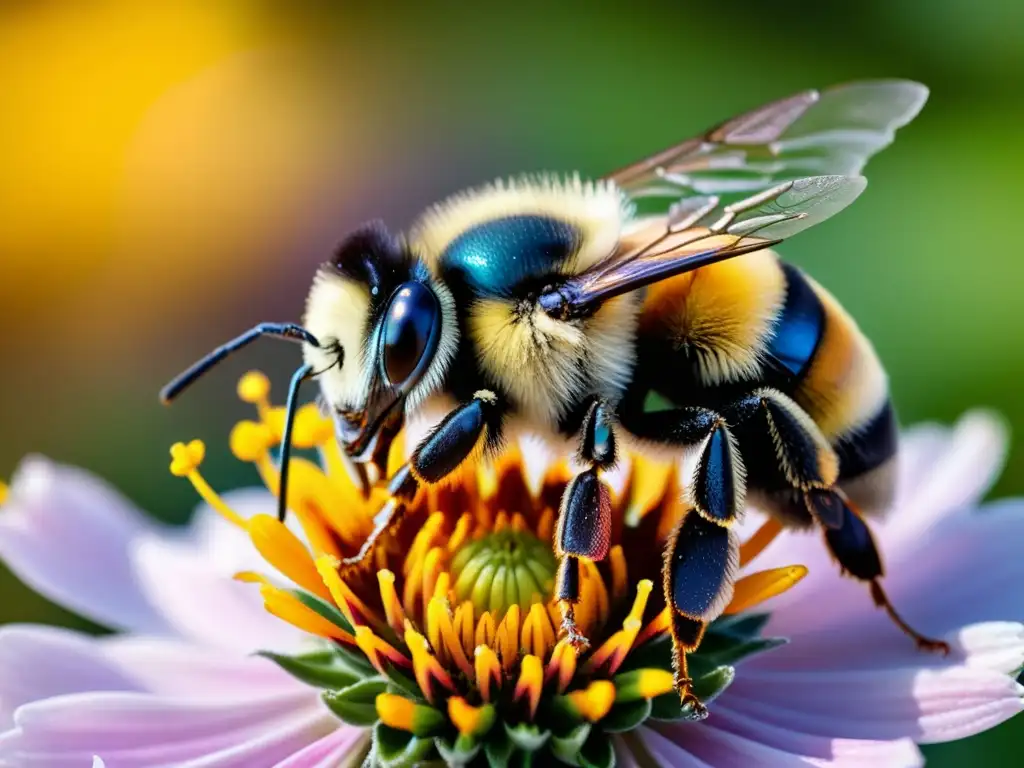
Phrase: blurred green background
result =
(173, 172)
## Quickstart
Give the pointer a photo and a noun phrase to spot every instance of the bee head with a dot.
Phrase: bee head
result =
(387, 334)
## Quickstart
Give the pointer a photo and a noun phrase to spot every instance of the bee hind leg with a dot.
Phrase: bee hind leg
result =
(853, 547)
(799, 456)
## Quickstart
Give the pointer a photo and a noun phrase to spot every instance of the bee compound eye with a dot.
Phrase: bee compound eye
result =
(410, 333)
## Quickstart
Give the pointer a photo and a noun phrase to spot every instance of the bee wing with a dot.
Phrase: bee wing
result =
(814, 133)
(699, 231)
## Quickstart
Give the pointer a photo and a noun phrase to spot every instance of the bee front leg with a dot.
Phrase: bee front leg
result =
(460, 437)
(585, 519)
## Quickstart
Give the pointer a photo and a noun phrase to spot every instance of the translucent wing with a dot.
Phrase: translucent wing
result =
(700, 230)
(831, 132)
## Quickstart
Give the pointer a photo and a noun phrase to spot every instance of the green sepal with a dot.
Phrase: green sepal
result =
(400, 749)
(461, 752)
(626, 716)
(597, 752)
(567, 748)
(527, 737)
(498, 748)
(740, 626)
(321, 669)
(356, 704)
(324, 609)
(708, 687)
(737, 651)
(559, 714)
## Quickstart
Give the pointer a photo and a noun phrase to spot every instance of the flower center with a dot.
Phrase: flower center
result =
(502, 569)
(450, 622)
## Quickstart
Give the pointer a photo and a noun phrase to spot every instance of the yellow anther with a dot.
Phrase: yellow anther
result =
(531, 682)
(254, 387)
(250, 441)
(594, 701)
(311, 428)
(470, 720)
(395, 711)
(3, 492)
(186, 458)
(487, 669)
(393, 612)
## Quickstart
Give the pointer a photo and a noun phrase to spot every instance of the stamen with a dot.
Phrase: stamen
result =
(757, 587)
(465, 625)
(3, 491)
(185, 461)
(424, 540)
(283, 550)
(439, 616)
(643, 684)
(327, 566)
(594, 701)
(460, 534)
(546, 524)
(379, 653)
(425, 665)
(485, 629)
(393, 612)
(289, 608)
(562, 665)
(406, 715)
(507, 638)
(648, 481)
(531, 682)
(757, 543)
(656, 626)
(617, 560)
(432, 565)
(613, 651)
(254, 388)
(488, 670)
(469, 720)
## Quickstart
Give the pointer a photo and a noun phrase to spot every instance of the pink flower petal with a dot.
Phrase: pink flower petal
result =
(721, 747)
(331, 750)
(926, 705)
(175, 668)
(67, 535)
(130, 729)
(37, 662)
(665, 751)
(820, 750)
(202, 602)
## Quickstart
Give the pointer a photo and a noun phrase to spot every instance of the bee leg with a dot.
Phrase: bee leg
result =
(462, 435)
(585, 518)
(853, 547)
(701, 560)
(701, 556)
(811, 468)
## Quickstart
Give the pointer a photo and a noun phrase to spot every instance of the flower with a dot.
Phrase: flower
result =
(448, 645)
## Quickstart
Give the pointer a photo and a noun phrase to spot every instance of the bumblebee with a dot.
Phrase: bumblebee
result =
(645, 308)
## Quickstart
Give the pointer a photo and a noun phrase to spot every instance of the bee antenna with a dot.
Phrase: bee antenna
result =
(285, 331)
(285, 454)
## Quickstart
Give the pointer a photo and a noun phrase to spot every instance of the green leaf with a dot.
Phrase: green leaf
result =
(735, 652)
(400, 749)
(325, 609)
(708, 687)
(356, 704)
(597, 752)
(667, 709)
(627, 716)
(459, 753)
(567, 748)
(527, 737)
(740, 625)
(498, 748)
(321, 669)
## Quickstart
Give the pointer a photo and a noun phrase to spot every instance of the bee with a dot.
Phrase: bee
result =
(643, 309)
